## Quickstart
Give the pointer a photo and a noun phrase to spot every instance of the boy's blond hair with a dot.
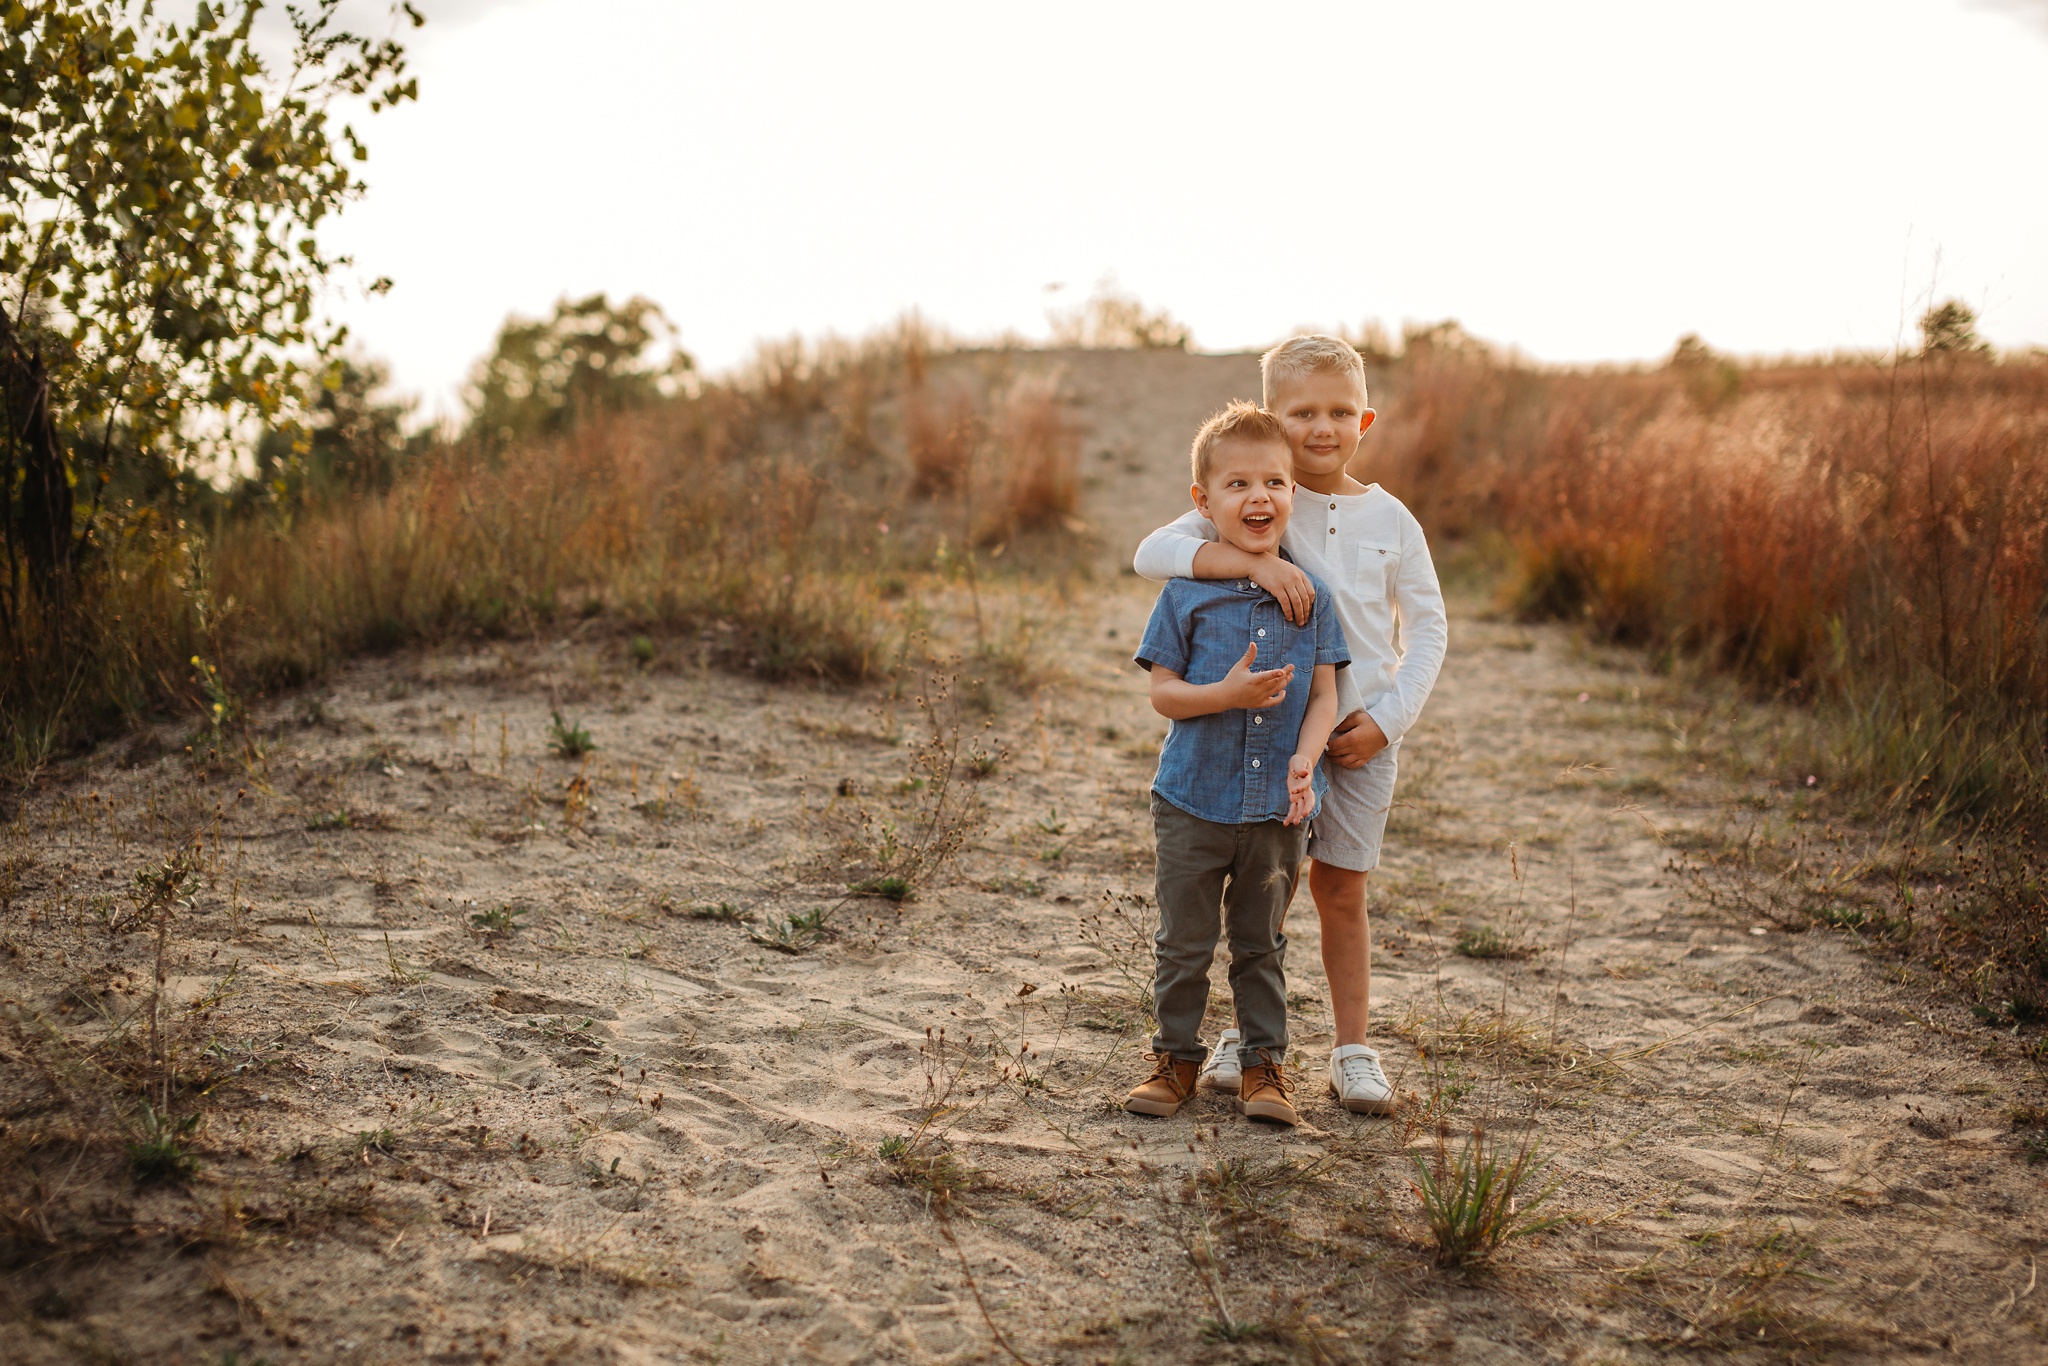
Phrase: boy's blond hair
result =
(1315, 353)
(1239, 421)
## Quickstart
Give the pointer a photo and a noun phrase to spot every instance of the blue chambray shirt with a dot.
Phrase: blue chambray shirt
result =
(1231, 767)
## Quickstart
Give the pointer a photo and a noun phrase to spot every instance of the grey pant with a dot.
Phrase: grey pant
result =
(1247, 874)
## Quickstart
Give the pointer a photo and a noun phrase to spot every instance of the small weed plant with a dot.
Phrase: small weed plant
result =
(1488, 942)
(568, 739)
(222, 710)
(724, 912)
(796, 932)
(1480, 1196)
(1120, 931)
(922, 1157)
(912, 847)
(497, 920)
(161, 1154)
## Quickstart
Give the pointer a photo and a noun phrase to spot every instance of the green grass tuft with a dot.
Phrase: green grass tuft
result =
(794, 933)
(1478, 1198)
(161, 1155)
(571, 741)
(1488, 942)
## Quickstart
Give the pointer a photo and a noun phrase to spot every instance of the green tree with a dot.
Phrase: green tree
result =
(590, 356)
(1710, 377)
(1950, 329)
(160, 188)
(344, 438)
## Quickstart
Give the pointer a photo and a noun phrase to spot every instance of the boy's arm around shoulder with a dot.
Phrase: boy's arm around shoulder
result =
(1169, 553)
(1188, 548)
(1425, 634)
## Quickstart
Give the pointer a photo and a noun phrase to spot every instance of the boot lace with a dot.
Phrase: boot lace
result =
(1276, 1074)
(1163, 1070)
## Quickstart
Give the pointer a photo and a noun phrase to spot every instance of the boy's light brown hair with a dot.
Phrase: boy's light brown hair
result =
(1309, 355)
(1239, 421)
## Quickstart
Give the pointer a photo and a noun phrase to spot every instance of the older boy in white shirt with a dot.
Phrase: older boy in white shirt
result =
(1369, 549)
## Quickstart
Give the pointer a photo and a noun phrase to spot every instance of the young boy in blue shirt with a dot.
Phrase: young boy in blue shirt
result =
(1239, 775)
(1363, 544)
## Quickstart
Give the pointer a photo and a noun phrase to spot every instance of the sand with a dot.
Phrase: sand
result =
(621, 1129)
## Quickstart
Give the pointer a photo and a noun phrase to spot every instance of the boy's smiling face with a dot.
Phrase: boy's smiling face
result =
(1325, 414)
(1248, 493)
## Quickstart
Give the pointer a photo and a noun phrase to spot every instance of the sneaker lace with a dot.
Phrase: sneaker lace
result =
(1360, 1068)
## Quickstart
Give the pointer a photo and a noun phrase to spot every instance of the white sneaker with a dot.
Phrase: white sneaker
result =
(1357, 1081)
(1221, 1072)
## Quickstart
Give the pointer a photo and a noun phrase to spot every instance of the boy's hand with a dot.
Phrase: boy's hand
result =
(1301, 789)
(1288, 583)
(1356, 740)
(1253, 691)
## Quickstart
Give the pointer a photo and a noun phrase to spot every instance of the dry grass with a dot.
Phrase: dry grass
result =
(1038, 454)
(1870, 535)
(119, 1100)
(1970, 906)
(941, 430)
(1867, 536)
(1753, 1286)
(767, 523)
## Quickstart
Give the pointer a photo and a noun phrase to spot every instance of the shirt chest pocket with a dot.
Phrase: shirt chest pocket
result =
(1375, 568)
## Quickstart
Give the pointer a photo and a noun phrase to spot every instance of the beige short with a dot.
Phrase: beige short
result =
(1348, 830)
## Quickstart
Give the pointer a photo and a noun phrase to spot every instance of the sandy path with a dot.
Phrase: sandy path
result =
(622, 1132)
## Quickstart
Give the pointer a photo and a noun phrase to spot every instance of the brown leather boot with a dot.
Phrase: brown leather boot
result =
(1264, 1092)
(1166, 1090)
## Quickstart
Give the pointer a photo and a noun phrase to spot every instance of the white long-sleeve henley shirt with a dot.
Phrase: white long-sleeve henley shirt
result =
(1371, 552)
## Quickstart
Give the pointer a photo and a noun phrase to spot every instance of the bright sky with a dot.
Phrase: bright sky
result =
(1585, 181)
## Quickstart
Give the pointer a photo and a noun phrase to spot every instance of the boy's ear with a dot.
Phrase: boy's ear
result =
(1201, 497)
(1365, 419)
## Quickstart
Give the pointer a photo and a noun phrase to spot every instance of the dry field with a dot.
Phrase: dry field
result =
(506, 1054)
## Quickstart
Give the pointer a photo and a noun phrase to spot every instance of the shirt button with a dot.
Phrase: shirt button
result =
(1258, 720)
(1333, 531)
(1255, 763)
(1262, 630)
(1333, 507)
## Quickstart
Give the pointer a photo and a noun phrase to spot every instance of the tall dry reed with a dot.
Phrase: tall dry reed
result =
(1867, 535)
(610, 520)
(760, 512)
(1035, 459)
